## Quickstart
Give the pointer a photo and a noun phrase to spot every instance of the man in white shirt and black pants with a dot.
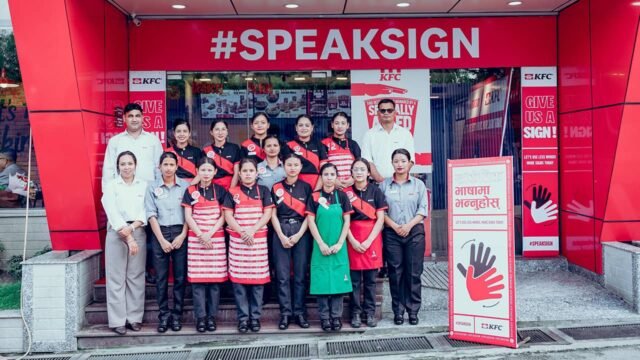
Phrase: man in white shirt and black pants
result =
(383, 138)
(145, 146)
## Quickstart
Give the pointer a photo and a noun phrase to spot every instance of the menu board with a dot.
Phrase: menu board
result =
(339, 100)
(281, 103)
(226, 105)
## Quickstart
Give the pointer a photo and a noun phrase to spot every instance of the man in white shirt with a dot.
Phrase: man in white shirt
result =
(383, 138)
(145, 146)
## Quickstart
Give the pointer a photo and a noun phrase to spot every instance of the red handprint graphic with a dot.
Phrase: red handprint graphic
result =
(484, 287)
(361, 89)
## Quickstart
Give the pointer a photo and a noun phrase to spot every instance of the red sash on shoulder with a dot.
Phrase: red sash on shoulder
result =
(183, 162)
(360, 205)
(251, 146)
(307, 154)
(295, 204)
(239, 196)
(220, 161)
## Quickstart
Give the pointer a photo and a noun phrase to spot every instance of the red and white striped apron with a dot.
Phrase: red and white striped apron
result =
(248, 264)
(206, 265)
(361, 229)
(340, 157)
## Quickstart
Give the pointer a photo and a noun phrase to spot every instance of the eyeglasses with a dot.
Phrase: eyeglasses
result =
(386, 111)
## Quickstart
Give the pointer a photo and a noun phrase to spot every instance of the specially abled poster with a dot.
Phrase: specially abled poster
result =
(540, 227)
(410, 91)
(482, 304)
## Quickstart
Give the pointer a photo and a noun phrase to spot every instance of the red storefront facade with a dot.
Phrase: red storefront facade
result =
(75, 58)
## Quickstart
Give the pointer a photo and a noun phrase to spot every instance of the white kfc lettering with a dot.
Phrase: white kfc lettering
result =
(391, 43)
(334, 37)
(274, 45)
(360, 44)
(302, 44)
(258, 50)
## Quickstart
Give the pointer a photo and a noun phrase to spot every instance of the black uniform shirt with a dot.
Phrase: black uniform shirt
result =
(299, 190)
(245, 153)
(314, 146)
(345, 204)
(372, 195)
(256, 192)
(191, 154)
(221, 194)
(229, 151)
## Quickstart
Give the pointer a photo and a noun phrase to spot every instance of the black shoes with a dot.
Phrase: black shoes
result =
(398, 319)
(243, 326)
(355, 321)
(371, 321)
(301, 320)
(336, 324)
(120, 330)
(163, 326)
(134, 326)
(175, 323)
(284, 322)
(325, 324)
(201, 325)
(254, 324)
(413, 319)
(211, 324)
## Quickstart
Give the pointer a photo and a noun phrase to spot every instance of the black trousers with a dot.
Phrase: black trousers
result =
(299, 255)
(364, 288)
(330, 306)
(206, 298)
(178, 260)
(405, 262)
(248, 301)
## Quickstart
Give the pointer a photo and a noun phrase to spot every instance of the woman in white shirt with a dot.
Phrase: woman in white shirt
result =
(125, 246)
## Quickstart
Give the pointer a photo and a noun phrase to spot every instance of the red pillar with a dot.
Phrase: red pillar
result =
(74, 61)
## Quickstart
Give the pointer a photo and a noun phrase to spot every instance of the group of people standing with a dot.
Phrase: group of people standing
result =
(295, 210)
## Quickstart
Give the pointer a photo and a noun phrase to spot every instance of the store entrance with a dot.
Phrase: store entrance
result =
(474, 113)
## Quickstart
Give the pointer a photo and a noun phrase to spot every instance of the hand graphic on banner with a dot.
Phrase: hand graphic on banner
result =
(480, 264)
(484, 287)
(542, 209)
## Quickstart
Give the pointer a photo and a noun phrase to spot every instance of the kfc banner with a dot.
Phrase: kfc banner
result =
(540, 229)
(148, 88)
(409, 89)
(312, 44)
(482, 305)
(483, 129)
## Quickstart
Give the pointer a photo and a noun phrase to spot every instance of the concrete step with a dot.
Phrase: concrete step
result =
(96, 313)
(100, 336)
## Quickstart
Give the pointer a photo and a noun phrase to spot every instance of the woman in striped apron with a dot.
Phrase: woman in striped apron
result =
(341, 151)
(365, 242)
(206, 248)
(247, 211)
(225, 155)
(188, 155)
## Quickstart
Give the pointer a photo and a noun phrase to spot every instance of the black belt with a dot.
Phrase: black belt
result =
(290, 221)
(169, 226)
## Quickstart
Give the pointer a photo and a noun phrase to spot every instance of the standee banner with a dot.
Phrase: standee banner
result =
(148, 88)
(540, 228)
(324, 44)
(482, 305)
(409, 89)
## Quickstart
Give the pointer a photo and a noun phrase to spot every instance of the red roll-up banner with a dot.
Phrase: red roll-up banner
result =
(540, 230)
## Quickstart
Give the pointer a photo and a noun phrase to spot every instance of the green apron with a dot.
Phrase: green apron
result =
(330, 274)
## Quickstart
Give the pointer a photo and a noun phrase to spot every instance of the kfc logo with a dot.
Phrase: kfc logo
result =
(146, 81)
(541, 76)
(491, 327)
(390, 75)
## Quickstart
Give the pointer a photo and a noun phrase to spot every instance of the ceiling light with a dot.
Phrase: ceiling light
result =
(204, 79)
(291, 6)
(342, 78)
(178, 6)
(248, 79)
(403, 4)
(514, 3)
(300, 78)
